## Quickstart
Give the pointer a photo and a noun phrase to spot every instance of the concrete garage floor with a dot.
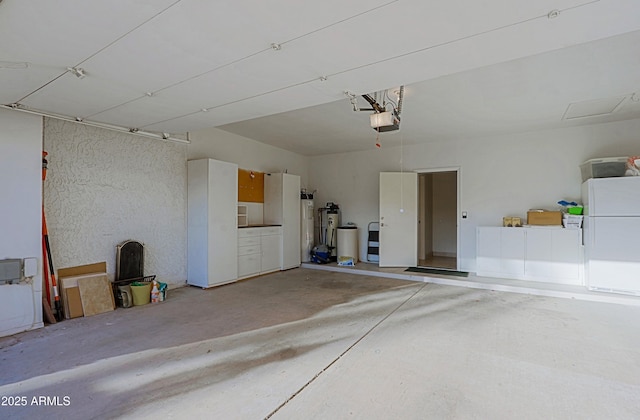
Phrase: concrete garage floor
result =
(306, 344)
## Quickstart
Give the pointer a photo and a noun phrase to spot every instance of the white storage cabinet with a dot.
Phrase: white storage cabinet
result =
(500, 252)
(612, 229)
(282, 207)
(212, 189)
(259, 250)
(552, 255)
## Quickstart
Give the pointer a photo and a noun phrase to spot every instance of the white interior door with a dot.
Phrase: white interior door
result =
(398, 219)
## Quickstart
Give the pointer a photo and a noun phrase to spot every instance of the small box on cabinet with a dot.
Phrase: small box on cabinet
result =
(572, 221)
(511, 222)
(544, 218)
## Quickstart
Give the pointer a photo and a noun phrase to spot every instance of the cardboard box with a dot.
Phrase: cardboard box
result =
(544, 218)
(511, 222)
(572, 221)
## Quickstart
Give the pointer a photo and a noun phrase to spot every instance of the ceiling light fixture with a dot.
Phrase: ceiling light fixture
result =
(77, 71)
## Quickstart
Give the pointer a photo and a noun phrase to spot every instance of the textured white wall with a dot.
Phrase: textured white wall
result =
(105, 187)
(505, 175)
(20, 216)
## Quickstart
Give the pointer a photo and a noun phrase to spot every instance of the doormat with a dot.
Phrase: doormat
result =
(437, 271)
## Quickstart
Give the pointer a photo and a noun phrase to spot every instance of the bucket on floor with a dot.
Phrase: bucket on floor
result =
(125, 299)
(141, 293)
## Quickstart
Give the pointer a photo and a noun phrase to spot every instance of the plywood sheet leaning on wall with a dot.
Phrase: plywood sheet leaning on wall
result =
(72, 296)
(250, 186)
(71, 300)
(96, 294)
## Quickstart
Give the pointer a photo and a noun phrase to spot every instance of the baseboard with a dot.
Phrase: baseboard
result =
(445, 254)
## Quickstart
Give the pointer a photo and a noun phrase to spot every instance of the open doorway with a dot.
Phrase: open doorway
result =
(438, 219)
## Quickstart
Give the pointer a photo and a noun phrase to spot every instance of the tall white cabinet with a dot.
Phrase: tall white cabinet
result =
(282, 207)
(212, 241)
(612, 231)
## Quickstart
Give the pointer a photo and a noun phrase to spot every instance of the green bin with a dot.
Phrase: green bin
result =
(141, 293)
(574, 210)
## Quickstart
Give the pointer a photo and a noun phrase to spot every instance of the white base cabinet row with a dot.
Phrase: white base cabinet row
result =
(259, 250)
(552, 255)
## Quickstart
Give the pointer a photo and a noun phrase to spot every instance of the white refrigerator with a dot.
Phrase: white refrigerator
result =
(612, 234)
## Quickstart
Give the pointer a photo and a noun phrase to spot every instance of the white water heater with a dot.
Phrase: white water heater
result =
(306, 229)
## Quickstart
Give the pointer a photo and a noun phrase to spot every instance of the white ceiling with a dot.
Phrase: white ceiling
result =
(471, 68)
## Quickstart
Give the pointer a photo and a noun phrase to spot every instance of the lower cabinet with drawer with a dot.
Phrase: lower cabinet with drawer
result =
(259, 250)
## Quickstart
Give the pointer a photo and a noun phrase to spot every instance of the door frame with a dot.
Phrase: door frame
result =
(458, 171)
